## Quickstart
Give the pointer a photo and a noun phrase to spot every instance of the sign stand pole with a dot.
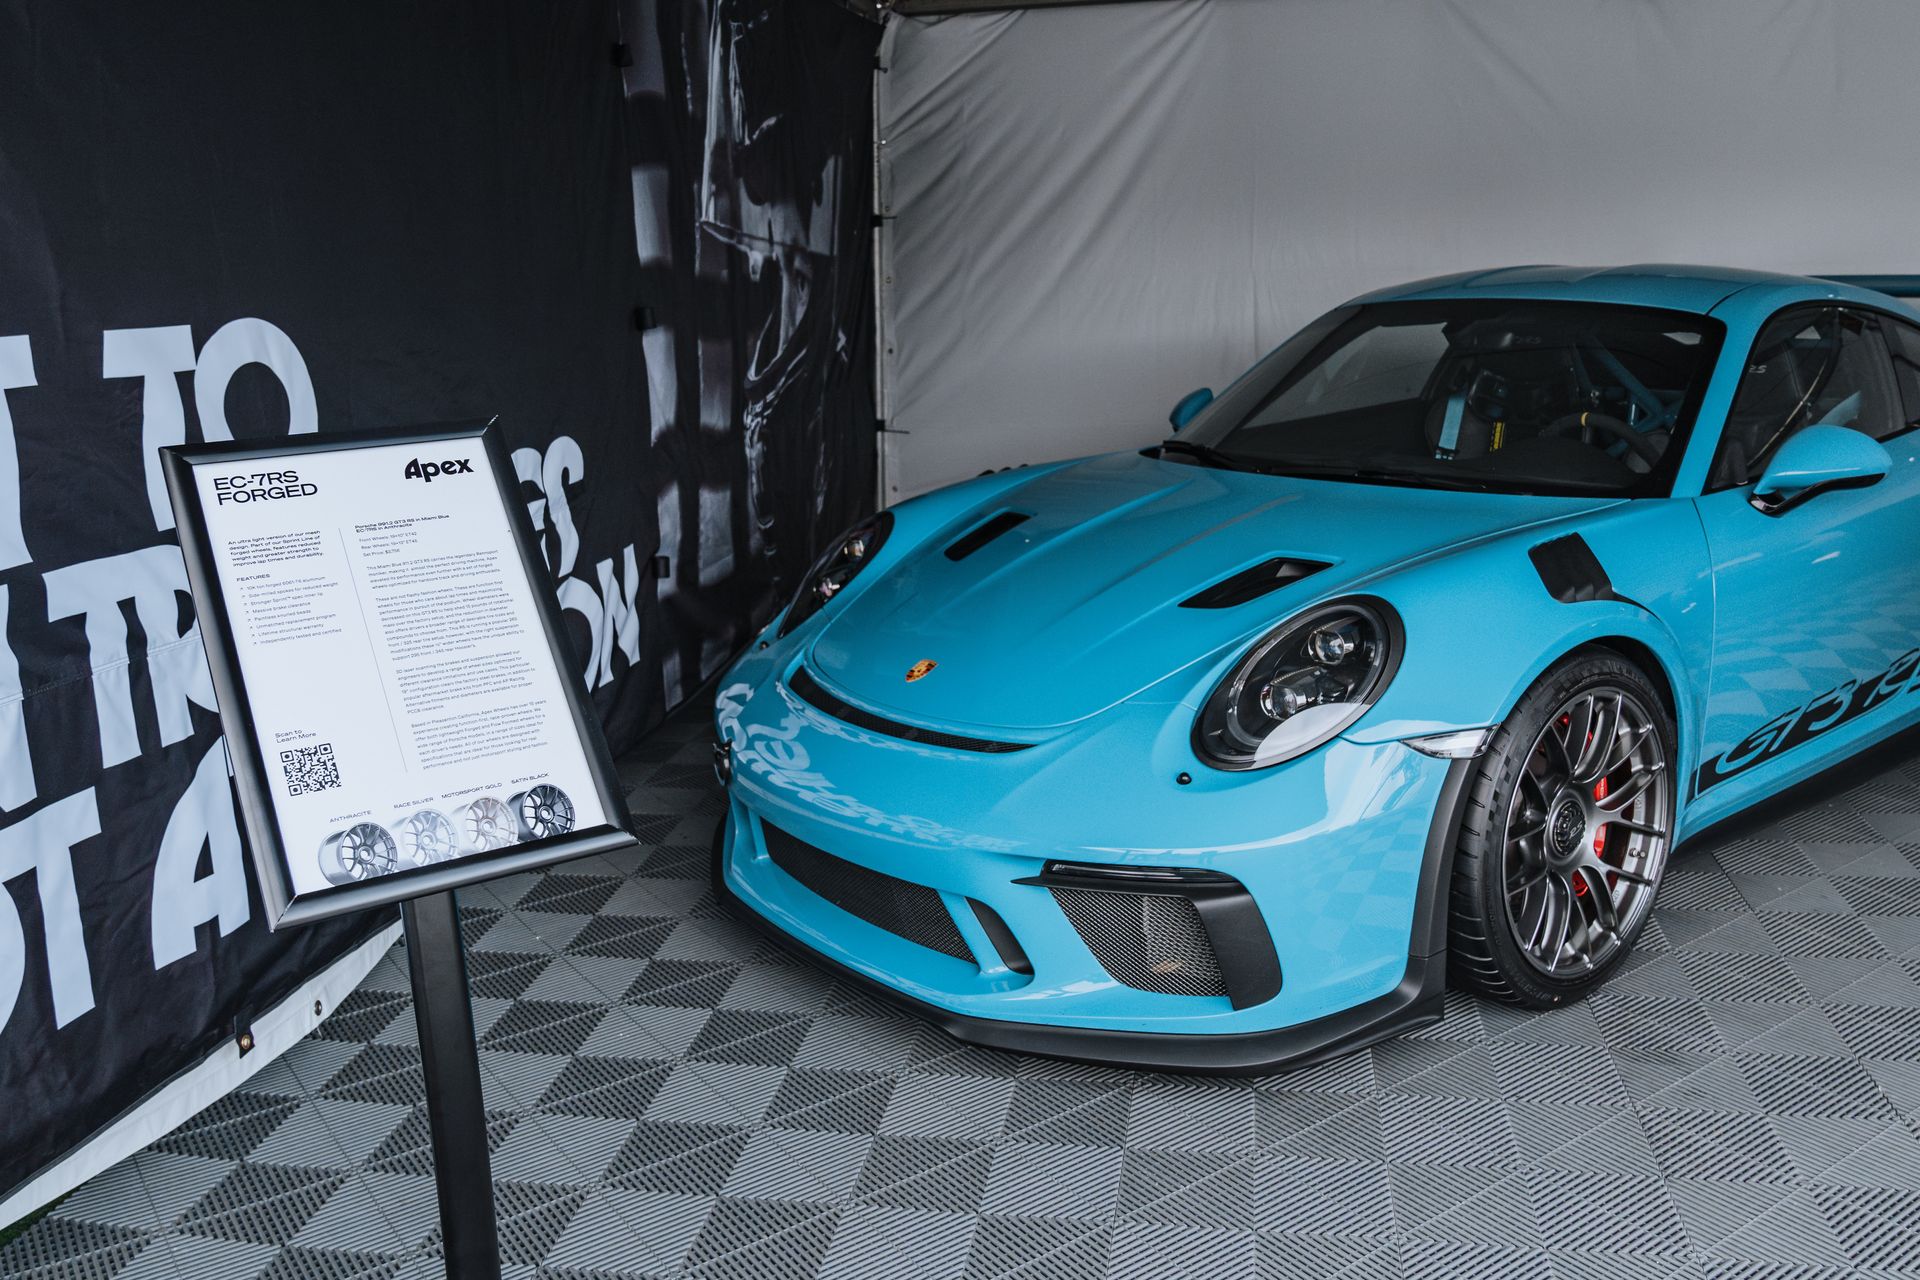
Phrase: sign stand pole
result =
(450, 1060)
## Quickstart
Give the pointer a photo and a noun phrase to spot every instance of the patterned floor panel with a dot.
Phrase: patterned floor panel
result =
(669, 1096)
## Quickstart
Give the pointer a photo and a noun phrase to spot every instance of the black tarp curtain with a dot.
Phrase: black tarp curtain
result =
(239, 219)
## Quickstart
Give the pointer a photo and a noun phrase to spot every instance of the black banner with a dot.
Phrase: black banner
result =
(751, 124)
(245, 220)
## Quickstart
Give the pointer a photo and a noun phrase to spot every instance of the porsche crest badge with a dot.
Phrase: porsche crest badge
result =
(919, 669)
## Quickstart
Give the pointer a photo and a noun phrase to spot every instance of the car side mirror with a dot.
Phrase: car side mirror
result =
(1816, 459)
(1190, 406)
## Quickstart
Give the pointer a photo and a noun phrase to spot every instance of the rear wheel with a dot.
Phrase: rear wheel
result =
(1565, 837)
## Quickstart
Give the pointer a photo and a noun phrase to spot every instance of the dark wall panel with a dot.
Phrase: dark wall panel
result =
(245, 218)
(751, 127)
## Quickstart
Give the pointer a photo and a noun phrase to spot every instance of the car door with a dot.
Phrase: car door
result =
(1816, 610)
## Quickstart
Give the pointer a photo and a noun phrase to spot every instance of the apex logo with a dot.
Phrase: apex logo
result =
(417, 470)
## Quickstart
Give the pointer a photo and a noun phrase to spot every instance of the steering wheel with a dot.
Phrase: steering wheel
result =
(1587, 422)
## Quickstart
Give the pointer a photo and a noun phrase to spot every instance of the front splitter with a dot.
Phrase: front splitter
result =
(1417, 1001)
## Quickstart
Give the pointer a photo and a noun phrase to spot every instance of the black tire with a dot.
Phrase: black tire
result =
(1483, 949)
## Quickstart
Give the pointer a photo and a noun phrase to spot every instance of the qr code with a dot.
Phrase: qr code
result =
(310, 769)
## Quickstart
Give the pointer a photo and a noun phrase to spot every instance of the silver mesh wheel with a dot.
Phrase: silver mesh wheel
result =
(486, 824)
(543, 811)
(1587, 832)
(428, 837)
(361, 852)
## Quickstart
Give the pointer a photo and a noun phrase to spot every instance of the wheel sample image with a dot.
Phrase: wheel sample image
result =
(543, 811)
(486, 824)
(361, 852)
(427, 837)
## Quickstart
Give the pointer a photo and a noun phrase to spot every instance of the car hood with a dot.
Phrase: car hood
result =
(1078, 607)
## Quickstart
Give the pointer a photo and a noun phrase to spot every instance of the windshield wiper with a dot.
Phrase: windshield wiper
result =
(1204, 453)
(1375, 475)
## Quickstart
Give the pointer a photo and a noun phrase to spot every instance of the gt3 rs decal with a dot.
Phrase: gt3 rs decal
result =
(1790, 729)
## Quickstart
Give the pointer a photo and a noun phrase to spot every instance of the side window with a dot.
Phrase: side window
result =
(1904, 340)
(1817, 366)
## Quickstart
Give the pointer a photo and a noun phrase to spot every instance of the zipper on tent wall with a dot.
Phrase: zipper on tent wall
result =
(882, 265)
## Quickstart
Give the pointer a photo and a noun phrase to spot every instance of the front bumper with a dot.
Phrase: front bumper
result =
(1344, 887)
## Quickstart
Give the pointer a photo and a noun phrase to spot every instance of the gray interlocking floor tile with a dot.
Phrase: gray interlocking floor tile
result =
(1006, 1248)
(170, 1257)
(630, 1232)
(948, 1107)
(875, 1242)
(402, 1208)
(798, 1165)
(145, 1193)
(1048, 1181)
(559, 1148)
(670, 1096)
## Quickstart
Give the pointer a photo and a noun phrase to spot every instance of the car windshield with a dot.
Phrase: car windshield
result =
(1506, 396)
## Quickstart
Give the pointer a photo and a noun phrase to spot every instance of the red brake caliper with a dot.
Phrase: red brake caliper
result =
(1599, 837)
(1600, 832)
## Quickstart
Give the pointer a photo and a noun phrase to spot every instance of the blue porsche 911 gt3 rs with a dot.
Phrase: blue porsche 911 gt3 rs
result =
(1406, 660)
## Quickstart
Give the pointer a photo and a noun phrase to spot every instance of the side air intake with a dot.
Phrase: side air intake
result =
(1251, 584)
(982, 534)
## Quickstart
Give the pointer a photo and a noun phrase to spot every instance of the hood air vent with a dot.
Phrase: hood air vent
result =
(1251, 584)
(969, 543)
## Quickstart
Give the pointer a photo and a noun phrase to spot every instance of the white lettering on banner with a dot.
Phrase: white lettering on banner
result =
(613, 621)
(576, 596)
(16, 370)
(154, 355)
(621, 625)
(43, 844)
(159, 353)
(17, 785)
(251, 341)
(550, 473)
(154, 578)
(202, 820)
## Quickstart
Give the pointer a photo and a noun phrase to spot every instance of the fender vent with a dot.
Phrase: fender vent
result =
(1570, 571)
(969, 543)
(1251, 584)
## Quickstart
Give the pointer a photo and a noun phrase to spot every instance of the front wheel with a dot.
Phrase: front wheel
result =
(1568, 823)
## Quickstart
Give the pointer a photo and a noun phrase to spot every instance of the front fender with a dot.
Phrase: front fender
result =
(1482, 627)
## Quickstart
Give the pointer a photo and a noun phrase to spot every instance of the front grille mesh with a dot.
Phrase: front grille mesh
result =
(912, 911)
(1149, 941)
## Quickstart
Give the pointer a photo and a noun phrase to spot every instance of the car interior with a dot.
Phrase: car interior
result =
(1589, 396)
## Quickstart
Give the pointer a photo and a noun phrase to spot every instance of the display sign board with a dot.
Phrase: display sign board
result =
(394, 683)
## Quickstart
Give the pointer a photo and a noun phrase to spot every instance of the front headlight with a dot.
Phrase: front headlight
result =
(846, 556)
(1307, 680)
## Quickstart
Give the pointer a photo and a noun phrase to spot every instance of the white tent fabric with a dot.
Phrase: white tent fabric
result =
(1095, 210)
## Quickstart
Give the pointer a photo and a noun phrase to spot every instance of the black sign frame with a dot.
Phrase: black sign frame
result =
(258, 819)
